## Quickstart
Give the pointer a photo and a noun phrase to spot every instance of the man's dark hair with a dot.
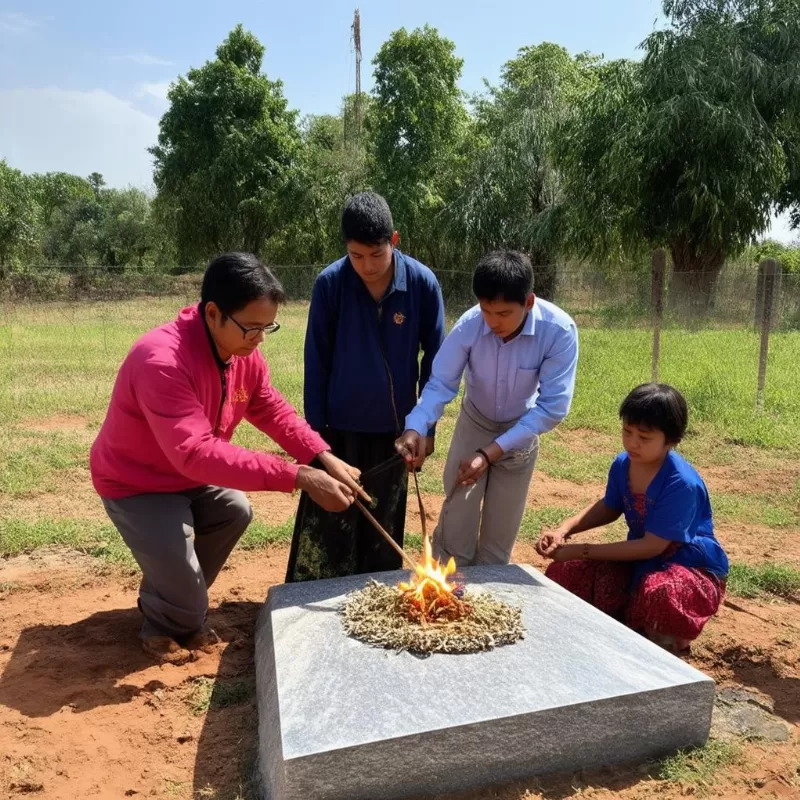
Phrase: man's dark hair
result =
(366, 218)
(233, 280)
(657, 406)
(503, 275)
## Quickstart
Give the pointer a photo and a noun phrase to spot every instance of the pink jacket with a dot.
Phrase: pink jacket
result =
(168, 426)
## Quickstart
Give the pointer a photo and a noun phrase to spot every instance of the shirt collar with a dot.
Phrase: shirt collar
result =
(223, 365)
(399, 281)
(528, 327)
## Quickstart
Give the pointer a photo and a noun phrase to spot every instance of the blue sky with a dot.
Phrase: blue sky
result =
(83, 82)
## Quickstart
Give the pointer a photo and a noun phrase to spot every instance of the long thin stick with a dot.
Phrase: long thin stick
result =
(421, 508)
(379, 528)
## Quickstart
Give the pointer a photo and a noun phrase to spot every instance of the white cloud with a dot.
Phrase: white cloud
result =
(145, 59)
(156, 90)
(16, 23)
(80, 132)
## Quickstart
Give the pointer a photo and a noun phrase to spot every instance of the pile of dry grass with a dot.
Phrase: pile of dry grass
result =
(381, 616)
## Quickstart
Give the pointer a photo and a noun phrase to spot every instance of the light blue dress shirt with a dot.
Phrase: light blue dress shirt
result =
(530, 379)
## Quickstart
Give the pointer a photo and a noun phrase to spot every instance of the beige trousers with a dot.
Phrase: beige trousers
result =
(479, 523)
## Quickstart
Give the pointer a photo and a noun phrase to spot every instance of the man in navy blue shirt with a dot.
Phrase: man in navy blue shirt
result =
(372, 312)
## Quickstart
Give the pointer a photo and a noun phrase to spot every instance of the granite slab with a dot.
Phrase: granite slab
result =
(340, 720)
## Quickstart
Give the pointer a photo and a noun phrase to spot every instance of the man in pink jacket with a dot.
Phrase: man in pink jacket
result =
(163, 463)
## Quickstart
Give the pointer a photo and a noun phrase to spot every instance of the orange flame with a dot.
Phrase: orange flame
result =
(430, 575)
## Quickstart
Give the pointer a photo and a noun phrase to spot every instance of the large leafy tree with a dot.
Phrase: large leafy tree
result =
(693, 147)
(416, 124)
(113, 228)
(54, 190)
(225, 148)
(330, 167)
(19, 215)
(511, 192)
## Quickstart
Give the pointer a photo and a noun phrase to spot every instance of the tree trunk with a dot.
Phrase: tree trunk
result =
(695, 269)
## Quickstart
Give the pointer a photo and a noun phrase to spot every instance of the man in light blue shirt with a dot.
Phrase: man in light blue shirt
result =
(520, 355)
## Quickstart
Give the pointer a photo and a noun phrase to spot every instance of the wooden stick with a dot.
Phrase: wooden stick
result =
(385, 535)
(421, 508)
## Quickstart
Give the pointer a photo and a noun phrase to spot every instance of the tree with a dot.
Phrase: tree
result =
(692, 148)
(55, 189)
(19, 215)
(225, 149)
(417, 123)
(73, 238)
(329, 168)
(112, 229)
(511, 193)
(97, 182)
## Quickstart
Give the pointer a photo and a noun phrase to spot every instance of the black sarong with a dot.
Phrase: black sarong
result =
(331, 545)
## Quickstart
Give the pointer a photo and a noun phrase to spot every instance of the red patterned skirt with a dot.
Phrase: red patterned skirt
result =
(675, 602)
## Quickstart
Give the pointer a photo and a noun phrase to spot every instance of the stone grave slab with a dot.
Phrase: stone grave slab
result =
(340, 720)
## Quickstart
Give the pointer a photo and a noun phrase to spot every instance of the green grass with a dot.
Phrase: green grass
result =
(259, 535)
(102, 540)
(716, 370)
(536, 521)
(700, 766)
(558, 461)
(95, 539)
(753, 509)
(777, 580)
(62, 358)
(208, 694)
(33, 461)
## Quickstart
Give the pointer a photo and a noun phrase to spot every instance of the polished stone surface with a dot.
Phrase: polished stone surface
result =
(339, 719)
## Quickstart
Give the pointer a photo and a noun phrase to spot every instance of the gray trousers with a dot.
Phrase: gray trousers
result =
(180, 541)
(479, 523)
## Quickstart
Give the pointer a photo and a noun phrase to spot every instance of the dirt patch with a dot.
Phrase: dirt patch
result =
(755, 544)
(588, 441)
(75, 499)
(744, 479)
(60, 423)
(547, 491)
(273, 508)
(85, 714)
(432, 503)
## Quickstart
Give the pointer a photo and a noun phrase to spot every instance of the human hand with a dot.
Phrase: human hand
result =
(413, 448)
(326, 491)
(471, 469)
(344, 473)
(549, 542)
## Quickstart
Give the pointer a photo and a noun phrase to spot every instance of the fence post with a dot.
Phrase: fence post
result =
(770, 277)
(759, 313)
(657, 305)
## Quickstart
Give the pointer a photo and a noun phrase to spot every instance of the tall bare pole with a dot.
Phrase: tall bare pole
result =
(357, 46)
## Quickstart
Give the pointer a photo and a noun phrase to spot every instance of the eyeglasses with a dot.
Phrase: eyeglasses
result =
(250, 334)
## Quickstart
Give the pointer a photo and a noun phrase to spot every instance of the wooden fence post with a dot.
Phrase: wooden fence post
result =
(657, 306)
(770, 279)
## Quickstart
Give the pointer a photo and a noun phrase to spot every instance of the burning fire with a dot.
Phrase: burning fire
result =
(429, 596)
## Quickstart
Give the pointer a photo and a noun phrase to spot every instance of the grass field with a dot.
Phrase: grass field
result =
(60, 361)
(57, 367)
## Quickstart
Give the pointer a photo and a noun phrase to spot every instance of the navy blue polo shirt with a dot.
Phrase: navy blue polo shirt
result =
(361, 354)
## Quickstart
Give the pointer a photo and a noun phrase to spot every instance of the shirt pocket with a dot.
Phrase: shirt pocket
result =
(526, 382)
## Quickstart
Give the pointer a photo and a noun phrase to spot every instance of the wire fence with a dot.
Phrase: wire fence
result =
(64, 331)
(592, 297)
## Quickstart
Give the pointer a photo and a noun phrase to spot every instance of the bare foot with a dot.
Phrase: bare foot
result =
(165, 650)
(205, 640)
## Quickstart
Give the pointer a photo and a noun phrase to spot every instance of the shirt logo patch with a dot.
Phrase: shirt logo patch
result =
(399, 318)
(240, 395)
